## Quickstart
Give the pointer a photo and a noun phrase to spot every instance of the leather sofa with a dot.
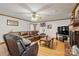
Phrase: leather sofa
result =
(31, 35)
(16, 46)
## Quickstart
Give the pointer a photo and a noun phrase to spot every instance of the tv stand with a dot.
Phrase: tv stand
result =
(61, 37)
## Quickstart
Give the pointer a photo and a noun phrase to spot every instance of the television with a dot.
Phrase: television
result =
(64, 30)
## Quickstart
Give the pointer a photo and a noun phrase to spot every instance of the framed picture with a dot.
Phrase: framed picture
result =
(43, 24)
(49, 27)
(12, 23)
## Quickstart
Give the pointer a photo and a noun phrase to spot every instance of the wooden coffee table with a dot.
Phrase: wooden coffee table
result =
(48, 43)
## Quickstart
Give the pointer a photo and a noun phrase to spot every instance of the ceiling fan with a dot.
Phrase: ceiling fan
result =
(35, 16)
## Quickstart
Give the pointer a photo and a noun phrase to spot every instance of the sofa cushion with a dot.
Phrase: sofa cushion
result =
(26, 41)
(25, 36)
(15, 33)
(23, 33)
(21, 49)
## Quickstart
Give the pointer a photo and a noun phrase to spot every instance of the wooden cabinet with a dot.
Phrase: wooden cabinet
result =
(74, 26)
(75, 17)
(72, 40)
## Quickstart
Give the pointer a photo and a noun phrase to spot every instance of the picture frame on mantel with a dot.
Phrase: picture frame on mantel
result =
(12, 23)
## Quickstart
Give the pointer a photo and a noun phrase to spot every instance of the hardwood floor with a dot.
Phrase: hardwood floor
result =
(58, 50)
(3, 49)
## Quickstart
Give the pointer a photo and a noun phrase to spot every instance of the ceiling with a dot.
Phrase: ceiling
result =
(46, 11)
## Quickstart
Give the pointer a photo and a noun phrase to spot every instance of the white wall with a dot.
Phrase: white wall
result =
(4, 28)
(55, 24)
(31, 27)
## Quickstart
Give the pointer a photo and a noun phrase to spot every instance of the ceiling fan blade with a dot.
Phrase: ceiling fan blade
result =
(26, 7)
(44, 7)
(22, 12)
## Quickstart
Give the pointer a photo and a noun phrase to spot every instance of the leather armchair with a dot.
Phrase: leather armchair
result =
(16, 46)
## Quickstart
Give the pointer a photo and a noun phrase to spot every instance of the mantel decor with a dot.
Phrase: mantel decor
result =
(12, 23)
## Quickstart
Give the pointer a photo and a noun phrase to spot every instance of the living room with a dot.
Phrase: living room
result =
(37, 24)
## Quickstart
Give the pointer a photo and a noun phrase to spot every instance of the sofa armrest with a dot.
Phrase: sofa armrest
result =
(31, 50)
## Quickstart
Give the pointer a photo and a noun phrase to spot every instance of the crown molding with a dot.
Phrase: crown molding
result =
(15, 17)
(53, 20)
(34, 21)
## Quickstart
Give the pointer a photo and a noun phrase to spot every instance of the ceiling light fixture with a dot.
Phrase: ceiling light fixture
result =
(34, 16)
